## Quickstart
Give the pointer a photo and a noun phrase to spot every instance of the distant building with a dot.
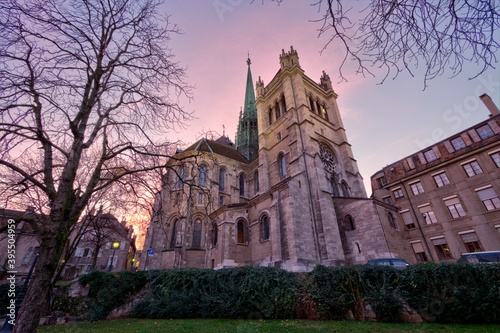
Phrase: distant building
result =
(448, 194)
(25, 243)
(287, 193)
(100, 242)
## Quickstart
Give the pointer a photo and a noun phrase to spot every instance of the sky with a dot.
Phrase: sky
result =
(384, 122)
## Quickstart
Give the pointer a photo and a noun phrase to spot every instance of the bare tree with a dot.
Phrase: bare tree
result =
(84, 86)
(396, 36)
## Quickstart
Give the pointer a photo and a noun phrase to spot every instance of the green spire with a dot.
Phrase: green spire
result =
(250, 110)
(247, 136)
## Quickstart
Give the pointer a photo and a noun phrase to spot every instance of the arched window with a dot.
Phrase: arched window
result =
(241, 232)
(197, 228)
(392, 220)
(181, 177)
(312, 104)
(256, 182)
(283, 103)
(334, 187)
(318, 108)
(270, 116)
(175, 240)
(277, 110)
(202, 176)
(344, 189)
(324, 113)
(349, 223)
(214, 234)
(282, 165)
(222, 179)
(242, 184)
(264, 228)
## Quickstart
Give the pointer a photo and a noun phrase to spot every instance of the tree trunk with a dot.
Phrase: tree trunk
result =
(50, 250)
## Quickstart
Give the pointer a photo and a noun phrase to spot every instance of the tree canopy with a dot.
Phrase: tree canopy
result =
(85, 85)
(439, 37)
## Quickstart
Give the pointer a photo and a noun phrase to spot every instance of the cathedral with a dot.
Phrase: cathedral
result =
(287, 193)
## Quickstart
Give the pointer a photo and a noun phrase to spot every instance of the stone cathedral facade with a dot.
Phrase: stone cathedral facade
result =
(287, 193)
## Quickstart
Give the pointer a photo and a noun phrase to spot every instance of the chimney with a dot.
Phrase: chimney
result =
(490, 105)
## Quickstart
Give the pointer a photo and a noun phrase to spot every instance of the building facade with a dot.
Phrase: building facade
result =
(287, 194)
(448, 194)
(18, 243)
(99, 242)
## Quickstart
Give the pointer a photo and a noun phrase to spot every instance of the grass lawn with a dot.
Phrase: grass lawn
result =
(244, 326)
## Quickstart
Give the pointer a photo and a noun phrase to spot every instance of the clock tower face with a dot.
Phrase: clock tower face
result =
(327, 158)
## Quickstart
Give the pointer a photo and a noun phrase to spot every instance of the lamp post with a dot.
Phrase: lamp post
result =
(115, 246)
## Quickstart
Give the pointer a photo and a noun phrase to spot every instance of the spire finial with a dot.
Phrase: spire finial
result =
(223, 130)
(248, 60)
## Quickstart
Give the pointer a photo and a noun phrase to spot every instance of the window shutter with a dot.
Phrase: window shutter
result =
(466, 139)
(487, 193)
(474, 135)
(425, 209)
(469, 237)
(449, 147)
(451, 201)
(407, 218)
(436, 151)
(439, 241)
(410, 163)
(422, 159)
(417, 247)
(494, 127)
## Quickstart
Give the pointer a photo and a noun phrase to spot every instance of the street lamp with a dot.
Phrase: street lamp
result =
(115, 246)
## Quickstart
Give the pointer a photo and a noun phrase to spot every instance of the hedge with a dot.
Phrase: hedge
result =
(447, 293)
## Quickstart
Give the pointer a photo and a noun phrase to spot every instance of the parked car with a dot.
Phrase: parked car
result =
(397, 263)
(480, 257)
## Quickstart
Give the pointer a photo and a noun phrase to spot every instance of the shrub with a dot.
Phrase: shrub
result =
(332, 290)
(454, 293)
(244, 292)
(108, 291)
(338, 290)
(381, 290)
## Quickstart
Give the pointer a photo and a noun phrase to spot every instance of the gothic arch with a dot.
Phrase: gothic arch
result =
(175, 233)
(282, 164)
(256, 183)
(214, 233)
(264, 226)
(348, 222)
(283, 103)
(242, 234)
(242, 178)
(197, 231)
(277, 111)
(202, 175)
(344, 189)
(222, 179)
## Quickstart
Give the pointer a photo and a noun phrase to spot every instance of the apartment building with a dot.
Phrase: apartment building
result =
(447, 194)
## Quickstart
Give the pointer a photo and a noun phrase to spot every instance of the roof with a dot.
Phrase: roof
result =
(222, 146)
